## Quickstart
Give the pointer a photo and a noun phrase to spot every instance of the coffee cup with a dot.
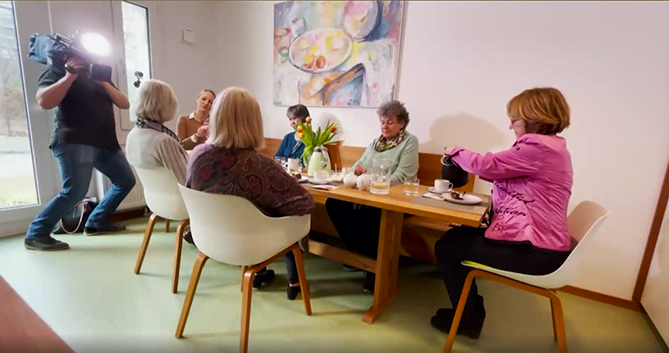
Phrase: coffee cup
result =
(443, 185)
(320, 175)
(293, 164)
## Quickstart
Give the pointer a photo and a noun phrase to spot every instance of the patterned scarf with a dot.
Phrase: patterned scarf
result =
(146, 123)
(382, 144)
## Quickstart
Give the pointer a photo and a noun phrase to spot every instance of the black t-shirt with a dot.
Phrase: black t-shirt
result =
(86, 114)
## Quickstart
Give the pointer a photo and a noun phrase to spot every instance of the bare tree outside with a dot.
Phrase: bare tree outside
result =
(17, 184)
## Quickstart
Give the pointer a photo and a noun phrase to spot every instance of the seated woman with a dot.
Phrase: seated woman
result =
(291, 146)
(358, 226)
(151, 144)
(192, 129)
(228, 163)
(531, 188)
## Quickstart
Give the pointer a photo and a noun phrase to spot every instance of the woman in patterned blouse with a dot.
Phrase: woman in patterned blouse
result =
(228, 163)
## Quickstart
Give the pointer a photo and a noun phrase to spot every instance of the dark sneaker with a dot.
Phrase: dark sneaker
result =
(471, 325)
(107, 228)
(292, 292)
(261, 278)
(45, 244)
(350, 268)
(188, 238)
(368, 284)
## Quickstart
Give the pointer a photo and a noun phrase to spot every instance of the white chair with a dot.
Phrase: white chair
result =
(231, 230)
(164, 200)
(583, 221)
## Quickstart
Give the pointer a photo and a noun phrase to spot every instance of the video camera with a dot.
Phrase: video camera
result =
(55, 50)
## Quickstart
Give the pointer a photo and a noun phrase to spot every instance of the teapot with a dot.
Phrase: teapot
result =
(453, 173)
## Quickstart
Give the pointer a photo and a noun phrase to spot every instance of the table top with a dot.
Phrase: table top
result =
(21, 329)
(398, 202)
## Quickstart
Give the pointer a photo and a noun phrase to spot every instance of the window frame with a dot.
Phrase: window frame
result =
(125, 123)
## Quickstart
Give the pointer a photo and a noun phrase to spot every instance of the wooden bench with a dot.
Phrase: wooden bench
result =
(419, 234)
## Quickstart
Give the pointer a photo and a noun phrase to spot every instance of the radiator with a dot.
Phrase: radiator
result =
(135, 198)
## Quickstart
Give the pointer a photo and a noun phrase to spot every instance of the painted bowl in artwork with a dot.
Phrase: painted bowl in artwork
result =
(320, 50)
(360, 18)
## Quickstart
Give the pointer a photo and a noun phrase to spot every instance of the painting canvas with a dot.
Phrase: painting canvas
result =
(336, 53)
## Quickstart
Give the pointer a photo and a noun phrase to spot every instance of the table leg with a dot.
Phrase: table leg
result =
(387, 260)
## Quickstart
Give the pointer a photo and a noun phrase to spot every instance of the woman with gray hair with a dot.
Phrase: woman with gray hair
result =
(151, 144)
(358, 226)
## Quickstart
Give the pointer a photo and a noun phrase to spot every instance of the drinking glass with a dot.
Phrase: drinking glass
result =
(380, 177)
(282, 161)
(411, 187)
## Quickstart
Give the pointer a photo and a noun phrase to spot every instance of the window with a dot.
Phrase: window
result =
(17, 176)
(137, 47)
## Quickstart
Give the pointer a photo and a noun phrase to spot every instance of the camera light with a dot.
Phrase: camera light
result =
(95, 44)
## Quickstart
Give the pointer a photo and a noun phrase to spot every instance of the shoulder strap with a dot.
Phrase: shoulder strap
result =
(81, 219)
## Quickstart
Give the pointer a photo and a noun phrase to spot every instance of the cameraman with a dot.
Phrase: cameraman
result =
(84, 138)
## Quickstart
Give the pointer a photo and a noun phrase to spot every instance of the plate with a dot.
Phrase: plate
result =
(468, 199)
(320, 50)
(316, 182)
(336, 179)
(303, 179)
(434, 191)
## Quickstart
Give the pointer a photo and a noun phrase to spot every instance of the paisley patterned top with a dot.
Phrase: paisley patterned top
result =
(248, 174)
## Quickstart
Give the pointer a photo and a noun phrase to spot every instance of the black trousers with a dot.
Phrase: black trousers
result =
(358, 227)
(291, 268)
(466, 243)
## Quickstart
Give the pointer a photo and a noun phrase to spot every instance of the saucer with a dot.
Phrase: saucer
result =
(434, 191)
(318, 182)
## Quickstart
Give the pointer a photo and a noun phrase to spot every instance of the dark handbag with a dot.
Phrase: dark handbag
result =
(75, 219)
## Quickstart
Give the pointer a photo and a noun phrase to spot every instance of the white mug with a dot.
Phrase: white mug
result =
(443, 185)
(320, 175)
(293, 164)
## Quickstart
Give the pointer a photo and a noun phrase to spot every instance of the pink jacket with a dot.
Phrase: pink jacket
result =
(531, 188)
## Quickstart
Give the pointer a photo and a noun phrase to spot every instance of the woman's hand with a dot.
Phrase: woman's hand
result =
(448, 150)
(202, 131)
(360, 169)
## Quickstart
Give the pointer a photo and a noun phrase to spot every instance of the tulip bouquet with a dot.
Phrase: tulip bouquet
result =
(322, 137)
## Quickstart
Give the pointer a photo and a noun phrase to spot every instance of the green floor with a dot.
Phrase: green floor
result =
(90, 297)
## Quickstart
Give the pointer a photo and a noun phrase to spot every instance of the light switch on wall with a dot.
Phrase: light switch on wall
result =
(188, 36)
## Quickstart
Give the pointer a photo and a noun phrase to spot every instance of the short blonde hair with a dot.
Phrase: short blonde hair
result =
(156, 100)
(236, 121)
(544, 110)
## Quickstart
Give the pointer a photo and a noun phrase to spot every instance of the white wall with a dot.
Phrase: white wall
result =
(188, 68)
(462, 61)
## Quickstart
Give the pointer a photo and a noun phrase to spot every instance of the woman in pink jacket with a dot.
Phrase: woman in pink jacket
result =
(531, 188)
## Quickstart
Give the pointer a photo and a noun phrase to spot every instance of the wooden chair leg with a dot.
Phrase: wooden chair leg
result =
(553, 318)
(167, 226)
(558, 322)
(304, 286)
(190, 293)
(244, 268)
(247, 292)
(145, 243)
(177, 255)
(458, 312)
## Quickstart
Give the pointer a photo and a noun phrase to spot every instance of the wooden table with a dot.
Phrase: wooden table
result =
(21, 330)
(393, 206)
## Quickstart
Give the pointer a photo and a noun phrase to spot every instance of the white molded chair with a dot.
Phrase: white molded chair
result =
(164, 200)
(583, 221)
(230, 229)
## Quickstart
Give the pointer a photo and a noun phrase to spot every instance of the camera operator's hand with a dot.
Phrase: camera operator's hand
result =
(73, 66)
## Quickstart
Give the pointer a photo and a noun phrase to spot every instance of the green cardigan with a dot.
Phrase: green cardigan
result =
(404, 157)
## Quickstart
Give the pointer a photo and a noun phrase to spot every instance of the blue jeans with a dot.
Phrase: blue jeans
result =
(76, 164)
